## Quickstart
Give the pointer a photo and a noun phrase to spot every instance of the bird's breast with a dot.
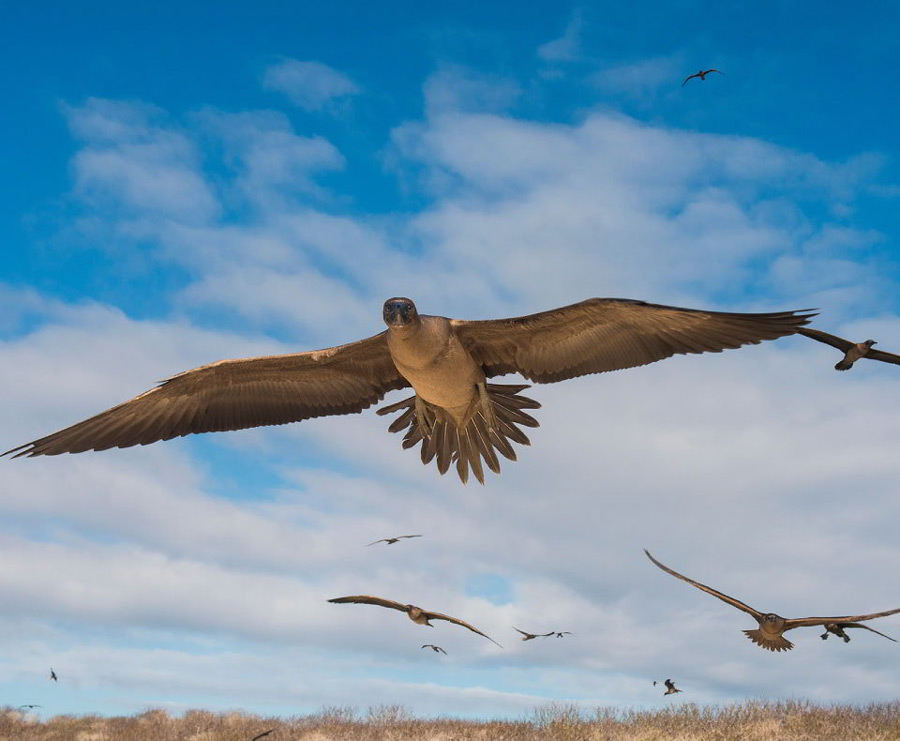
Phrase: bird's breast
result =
(436, 364)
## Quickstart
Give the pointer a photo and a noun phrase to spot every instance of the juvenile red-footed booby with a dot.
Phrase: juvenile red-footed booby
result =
(456, 415)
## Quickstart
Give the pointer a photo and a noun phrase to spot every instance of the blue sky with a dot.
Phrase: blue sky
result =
(187, 183)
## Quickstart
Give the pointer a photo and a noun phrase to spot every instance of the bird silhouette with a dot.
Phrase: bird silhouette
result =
(436, 649)
(561, 633)
(853, 351)
(53, 675)
(391, 541)
(416, 614)
(671, 689)
(532, 636)
(455, 414)
(701, 74)
(262, 735)
(31, 707)
(838, 630)
(769, 635)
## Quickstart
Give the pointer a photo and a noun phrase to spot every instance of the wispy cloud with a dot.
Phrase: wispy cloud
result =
(566, 48)
(309, 85)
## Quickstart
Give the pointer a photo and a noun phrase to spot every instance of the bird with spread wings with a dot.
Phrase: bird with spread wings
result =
(416, 614)
(853, 351)
(455, 414)
(391, 541)
(769, 635)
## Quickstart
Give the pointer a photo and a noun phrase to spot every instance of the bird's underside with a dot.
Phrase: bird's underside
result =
(441, 359)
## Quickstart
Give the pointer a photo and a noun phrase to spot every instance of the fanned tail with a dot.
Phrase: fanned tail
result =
(477, 441)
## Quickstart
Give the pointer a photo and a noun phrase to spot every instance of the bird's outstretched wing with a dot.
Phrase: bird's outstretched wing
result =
(236, 394)
(709, 590)
(457, 621)
(383, 540)
(689, 77)
(606, 334)
(522, 632)
(884, 357)
(829, 339)
(792, 623)
(866, 627)
(364, 599)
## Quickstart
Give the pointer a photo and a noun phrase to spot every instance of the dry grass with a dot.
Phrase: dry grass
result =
(751, 721)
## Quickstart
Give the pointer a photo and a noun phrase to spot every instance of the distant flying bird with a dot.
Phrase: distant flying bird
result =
(31, 707)
(436, 649)
(838, 630)
(771, 626)
(671, 689)
(391, 541)
(701, 74)
(853, 351)
(416, 614)
(455, 414)
(53, 675)
(532, 636)
(263, 734)
(561, 633)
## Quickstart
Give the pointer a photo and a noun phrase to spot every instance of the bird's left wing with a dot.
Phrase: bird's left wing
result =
(884, 357)
(606, 334)
(463, 623)
(236, 394)
(364, 599)
(802, 622)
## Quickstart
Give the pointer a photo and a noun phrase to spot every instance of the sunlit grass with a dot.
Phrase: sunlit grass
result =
(750, 721)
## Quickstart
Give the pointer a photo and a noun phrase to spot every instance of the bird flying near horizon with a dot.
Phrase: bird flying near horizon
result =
(769, 635)
(416, 614)
(391, 541)
(701, 74)
(853, 351)
(455, 414)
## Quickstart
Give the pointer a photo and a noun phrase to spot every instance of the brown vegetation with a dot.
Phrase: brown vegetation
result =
(750, 721)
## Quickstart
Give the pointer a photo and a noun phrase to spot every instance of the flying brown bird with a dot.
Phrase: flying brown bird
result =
(838, 630)
(416, 614)
(701, 74)
(671, 689)
(391, 541)
(769, 635)
(455, 414)
(436, 649)
(31, 707)
(853, 351)
(532, 636)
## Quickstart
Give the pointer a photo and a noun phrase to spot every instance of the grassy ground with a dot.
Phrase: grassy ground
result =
(746, 722)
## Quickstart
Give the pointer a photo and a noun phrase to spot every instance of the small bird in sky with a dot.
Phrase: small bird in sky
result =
(671, 689)
(455, 415)
(532, 636)
(561, 633)
(853, 351)
(436, 649)
(31, 707)
(262, 735)
(769, 635)
(391, 541)
(53, 675)
(416, 614)
(838, 630)
(701, 74)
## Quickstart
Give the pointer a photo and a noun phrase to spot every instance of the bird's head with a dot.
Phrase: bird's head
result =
(870, 343)
(399, 312)
(772, 620)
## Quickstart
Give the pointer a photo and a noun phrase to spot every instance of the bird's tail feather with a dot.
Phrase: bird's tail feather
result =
(477, 441)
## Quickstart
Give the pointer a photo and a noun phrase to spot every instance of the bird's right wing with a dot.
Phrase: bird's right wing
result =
(383, 540)
(709, 590)
(802, 622)
(364, 599)
(884, 357)
(829, 339)
(236, 394)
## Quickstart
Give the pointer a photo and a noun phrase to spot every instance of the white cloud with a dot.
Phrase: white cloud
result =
(309, 85)
(566, 48)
